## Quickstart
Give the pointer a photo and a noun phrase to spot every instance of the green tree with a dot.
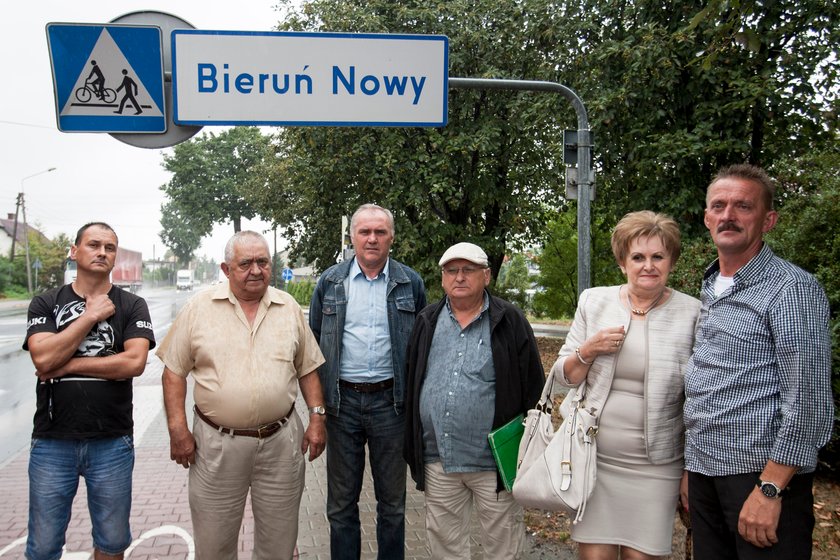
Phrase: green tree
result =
(178, 232)
(210, 174)
(513, 281)
(558, 264)
(53, 255)
(808, 234)
(677, 91)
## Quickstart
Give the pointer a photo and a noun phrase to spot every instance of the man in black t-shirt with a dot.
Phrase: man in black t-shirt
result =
(87, 340)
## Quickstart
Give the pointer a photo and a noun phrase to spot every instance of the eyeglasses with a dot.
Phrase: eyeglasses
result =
(245, 266)
(466, 270)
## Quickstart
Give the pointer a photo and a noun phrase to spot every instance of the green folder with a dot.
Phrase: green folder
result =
(504, 442)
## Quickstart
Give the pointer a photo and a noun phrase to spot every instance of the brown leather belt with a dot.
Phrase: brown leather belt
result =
(261, 432)
(367, 387)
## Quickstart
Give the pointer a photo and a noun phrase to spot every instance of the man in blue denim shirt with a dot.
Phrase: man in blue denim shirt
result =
(362, 313)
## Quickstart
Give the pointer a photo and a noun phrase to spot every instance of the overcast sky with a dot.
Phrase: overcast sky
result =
(97, 178)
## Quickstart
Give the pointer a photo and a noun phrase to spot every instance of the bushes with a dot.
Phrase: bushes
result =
(807, 234)
(301, 291)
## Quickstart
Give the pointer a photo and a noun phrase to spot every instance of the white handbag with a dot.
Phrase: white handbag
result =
(556, 470)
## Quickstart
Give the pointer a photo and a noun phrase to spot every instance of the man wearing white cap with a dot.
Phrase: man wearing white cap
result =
(473, 365)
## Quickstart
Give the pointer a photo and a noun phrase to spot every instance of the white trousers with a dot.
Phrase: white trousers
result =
(226, 468)
(449, 501)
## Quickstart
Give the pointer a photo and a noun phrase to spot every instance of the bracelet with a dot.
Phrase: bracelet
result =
(580, 358)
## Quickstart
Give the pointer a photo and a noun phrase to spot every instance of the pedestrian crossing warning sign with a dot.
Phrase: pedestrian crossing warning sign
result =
(107, 77)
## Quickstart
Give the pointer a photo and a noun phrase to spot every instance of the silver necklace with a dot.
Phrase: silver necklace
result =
(637, 311)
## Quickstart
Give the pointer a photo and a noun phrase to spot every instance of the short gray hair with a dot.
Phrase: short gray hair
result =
(371, 208)
(239, 237)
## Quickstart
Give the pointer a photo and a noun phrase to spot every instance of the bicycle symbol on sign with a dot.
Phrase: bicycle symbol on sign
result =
(86, 92)
(95, 85)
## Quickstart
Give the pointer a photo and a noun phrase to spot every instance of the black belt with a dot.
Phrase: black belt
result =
(261, 432)
(367, 387)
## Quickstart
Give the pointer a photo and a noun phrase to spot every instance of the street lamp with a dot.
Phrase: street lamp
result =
(22, 205)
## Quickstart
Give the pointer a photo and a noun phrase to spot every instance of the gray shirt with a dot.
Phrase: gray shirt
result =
(458, 396)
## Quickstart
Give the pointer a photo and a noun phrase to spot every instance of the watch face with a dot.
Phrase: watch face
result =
(769, 489)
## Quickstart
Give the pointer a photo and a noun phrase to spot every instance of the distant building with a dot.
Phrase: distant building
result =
(301, 270)
(7, 229)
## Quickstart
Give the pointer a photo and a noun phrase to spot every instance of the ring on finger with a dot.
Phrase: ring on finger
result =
(616, 343)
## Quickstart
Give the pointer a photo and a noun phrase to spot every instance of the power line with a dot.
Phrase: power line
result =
(30, 125)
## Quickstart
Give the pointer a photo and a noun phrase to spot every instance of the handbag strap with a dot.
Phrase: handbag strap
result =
(545, 402)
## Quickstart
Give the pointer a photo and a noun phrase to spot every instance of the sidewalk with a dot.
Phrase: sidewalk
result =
(160, 513)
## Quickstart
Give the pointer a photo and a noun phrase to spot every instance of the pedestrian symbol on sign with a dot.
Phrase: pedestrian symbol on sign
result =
(288, 274)
(130, 87)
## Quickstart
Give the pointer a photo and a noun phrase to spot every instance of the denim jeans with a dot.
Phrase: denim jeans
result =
(55, 466)
(366, 418)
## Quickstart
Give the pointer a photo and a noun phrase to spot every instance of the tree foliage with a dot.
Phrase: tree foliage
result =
(486, 177)
(673, 92)
(52, 254)
(678, 90)
(808, 234)
(514, 282)
(558, 264)
(210, 174)
(178, 232)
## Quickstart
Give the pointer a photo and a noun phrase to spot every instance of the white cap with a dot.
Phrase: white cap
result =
(466, 251)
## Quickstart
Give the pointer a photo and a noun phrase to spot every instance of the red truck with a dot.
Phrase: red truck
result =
(127, 272)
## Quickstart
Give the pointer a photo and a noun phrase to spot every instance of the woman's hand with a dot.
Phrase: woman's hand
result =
(605, 341)
(576, 367)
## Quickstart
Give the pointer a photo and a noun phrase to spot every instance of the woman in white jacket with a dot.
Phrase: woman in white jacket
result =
(630, 344)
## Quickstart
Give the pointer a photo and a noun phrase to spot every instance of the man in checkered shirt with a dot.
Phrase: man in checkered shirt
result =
(758, 397)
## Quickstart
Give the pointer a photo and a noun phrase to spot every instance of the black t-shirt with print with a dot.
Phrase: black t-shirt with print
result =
(76, 406)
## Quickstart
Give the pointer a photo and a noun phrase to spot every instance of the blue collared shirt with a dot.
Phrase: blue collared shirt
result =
(458, 397)
(758, 384)
(366, 340)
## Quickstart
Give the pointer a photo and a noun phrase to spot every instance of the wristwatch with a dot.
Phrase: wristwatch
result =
(769, 489)
(317, 410)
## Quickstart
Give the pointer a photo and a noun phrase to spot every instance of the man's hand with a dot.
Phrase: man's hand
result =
(182, 447)
(46, 376)
(759, 519)
(315, 437)
(100, 307)
(684, 491)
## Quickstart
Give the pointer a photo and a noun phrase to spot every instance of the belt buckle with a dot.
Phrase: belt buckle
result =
(267, 428)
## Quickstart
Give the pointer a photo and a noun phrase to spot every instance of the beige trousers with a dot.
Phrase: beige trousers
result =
(226, 468)
(449, 500)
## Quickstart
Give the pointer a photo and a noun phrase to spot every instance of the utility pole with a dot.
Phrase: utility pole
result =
(26, 243)
(22, 206)
(14, 229)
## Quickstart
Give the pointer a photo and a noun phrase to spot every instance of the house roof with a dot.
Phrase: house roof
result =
(8, 226)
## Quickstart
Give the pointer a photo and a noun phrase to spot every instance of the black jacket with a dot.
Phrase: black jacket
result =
(516, 359)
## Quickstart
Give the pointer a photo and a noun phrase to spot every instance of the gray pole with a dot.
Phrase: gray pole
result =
(584, 157)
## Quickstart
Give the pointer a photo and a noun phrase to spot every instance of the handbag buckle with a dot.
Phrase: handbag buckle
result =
(592, 431)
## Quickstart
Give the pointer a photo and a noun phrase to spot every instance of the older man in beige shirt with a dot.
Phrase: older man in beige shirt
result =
(248, 348)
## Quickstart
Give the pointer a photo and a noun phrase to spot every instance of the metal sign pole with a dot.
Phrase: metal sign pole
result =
(584, 149)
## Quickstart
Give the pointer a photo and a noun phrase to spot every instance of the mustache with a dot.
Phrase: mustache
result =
(728, 226)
